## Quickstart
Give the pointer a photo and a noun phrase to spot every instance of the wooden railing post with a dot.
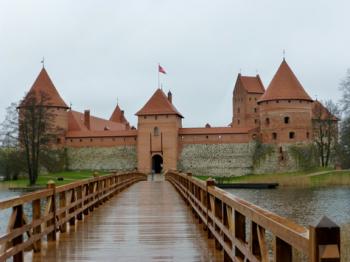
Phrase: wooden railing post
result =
(86, 201)
(209, 183)
(72, 209)
(18, 223)
(52, 209)
(324, 241)
(79, 198)
(63, 202)
(36, 230)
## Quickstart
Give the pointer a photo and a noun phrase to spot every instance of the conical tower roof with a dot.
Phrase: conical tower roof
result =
(158, 104)
(285, 86)
(118, 116)
(44, 85)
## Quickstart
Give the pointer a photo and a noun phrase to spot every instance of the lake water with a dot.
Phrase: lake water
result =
(302, 205)
(305, 206)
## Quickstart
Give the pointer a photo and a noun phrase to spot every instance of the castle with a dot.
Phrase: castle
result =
(280, 115)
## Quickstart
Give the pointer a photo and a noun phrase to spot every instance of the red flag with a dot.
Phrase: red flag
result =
(161, 70)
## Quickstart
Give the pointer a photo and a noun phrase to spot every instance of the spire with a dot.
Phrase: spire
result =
(43, 84)
(158, 104)
(118, 116)
(285, 86)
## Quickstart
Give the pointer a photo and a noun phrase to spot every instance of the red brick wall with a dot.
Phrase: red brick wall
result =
(299, 113)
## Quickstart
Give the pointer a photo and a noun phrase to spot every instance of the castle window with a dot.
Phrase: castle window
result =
(58, 140)
(145, 117)
(291, 135)
(71, 140)
(307, 135)
(286, 119)
(238, 122)
(238, 110)
(91, 139)
(277, 101)
(255, 121)
(281, 150)
(156, 131)
(288, 101)
(274, 136)
(255, 110)
(207, 137)
(250, 99)
(81, 140)
(267, 121)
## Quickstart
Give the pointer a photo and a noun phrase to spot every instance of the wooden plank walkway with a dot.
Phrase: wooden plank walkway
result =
(147, 222)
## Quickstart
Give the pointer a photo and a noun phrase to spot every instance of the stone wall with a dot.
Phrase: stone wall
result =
(279, 161)
(217, 159)
(102, 158)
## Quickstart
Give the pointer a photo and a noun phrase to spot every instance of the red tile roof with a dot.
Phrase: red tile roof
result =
(285, 85)
(320, 112)
(118, 116)
(43, 84)
(158, 104)
(214, 130)
(107, 133)
(76, 123)
(252, 84)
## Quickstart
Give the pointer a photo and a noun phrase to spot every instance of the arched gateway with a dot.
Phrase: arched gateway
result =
(157, 163)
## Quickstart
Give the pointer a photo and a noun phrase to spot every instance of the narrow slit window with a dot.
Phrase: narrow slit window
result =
(291, 135)
(274, 136)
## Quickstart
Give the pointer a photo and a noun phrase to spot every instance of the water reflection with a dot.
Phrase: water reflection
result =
(302, 205)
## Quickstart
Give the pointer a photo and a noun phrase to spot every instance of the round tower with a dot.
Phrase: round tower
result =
(285, 109)
(44, 90)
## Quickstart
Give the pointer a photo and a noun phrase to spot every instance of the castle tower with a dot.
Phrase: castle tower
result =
(119, 117)
(245, 110)
(158, 126)
(44, 87)
(285, 109)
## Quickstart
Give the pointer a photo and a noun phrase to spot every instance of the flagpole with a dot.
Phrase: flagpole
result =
(158, 76)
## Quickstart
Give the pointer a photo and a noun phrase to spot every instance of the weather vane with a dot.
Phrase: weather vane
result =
(284, 54)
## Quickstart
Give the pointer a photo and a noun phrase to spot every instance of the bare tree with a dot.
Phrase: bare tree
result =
(325, 125)
(36, 130)
(345, 88)
(11, 158)
(344, 148)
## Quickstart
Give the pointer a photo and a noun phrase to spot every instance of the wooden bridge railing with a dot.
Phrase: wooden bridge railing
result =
(62, 205)
(239, 227)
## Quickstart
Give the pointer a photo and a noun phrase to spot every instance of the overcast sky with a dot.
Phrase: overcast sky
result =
(96, 51)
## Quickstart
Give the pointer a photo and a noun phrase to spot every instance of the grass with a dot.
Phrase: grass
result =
(315, 177)
(68, 177)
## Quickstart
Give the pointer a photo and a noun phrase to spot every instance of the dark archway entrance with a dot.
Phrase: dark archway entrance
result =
(157, 164)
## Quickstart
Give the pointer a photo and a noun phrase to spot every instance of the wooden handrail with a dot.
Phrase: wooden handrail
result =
(63, 204)
(225, 218)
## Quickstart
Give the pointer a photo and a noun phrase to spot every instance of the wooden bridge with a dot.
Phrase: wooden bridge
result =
(180, 219)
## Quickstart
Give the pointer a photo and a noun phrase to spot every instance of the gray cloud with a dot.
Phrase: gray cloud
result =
(97, 51)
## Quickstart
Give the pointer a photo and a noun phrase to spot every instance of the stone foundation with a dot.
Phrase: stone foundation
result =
(217, 159)
(102, 158)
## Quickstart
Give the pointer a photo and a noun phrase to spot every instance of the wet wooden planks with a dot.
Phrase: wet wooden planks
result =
(147, 222)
